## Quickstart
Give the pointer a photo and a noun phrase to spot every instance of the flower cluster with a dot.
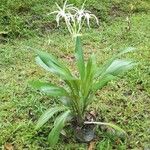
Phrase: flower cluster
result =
(74, 17)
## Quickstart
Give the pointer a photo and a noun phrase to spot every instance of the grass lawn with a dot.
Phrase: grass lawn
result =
(125, 102)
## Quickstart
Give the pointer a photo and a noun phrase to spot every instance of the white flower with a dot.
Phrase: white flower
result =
(74, 17)
(88, 16)
(62, 12)
(82, 13)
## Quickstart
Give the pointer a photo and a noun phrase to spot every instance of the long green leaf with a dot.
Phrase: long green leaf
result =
(89, 72)
(66, 101)
(79, 57)
(46, 57)
(58, 126)
(102, 82)
(102, 69)
(49, 88)
(118, 66)
(50, 63)
(126, 50)
(107, 124)
(47, 115)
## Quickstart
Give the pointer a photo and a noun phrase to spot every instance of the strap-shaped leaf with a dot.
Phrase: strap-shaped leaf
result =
(102, 82)
(89, 73)
(49, 88)
(47, 115)
(126, 50)
(102, 69)
(90, 67)
(46, 57)
(50, 63)
(109, 73)
(79, 57)
(58, 126)
(66, 101)
(118, 66)
(107, 124)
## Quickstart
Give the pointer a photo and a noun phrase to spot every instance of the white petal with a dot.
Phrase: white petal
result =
(72, 9)
(54, 12)
(58, 7)
(68, 5)
(87, 16)
(57, 19)
(83, 4)
(92, 15)
(64, 7)
(87, 11)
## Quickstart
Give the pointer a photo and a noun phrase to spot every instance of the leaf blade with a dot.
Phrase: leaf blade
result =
(58, 126)
(47, 115)
(49, 88)
(79, 57)
(118, 66)
(102, 82)
(107, 124)
(110, 61)
(50, 63)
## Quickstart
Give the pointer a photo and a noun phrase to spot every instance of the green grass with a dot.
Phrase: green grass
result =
(124, 102)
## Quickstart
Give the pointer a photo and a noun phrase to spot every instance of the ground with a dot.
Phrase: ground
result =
(124, 102)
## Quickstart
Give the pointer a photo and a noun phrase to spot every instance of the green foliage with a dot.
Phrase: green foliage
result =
(79, 58)
(50, 63)
(79, 90)
(107, 124)
(58, 126)
(47, 115)
(49, 88)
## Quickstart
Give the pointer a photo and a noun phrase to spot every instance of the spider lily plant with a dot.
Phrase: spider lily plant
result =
(77, 91)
